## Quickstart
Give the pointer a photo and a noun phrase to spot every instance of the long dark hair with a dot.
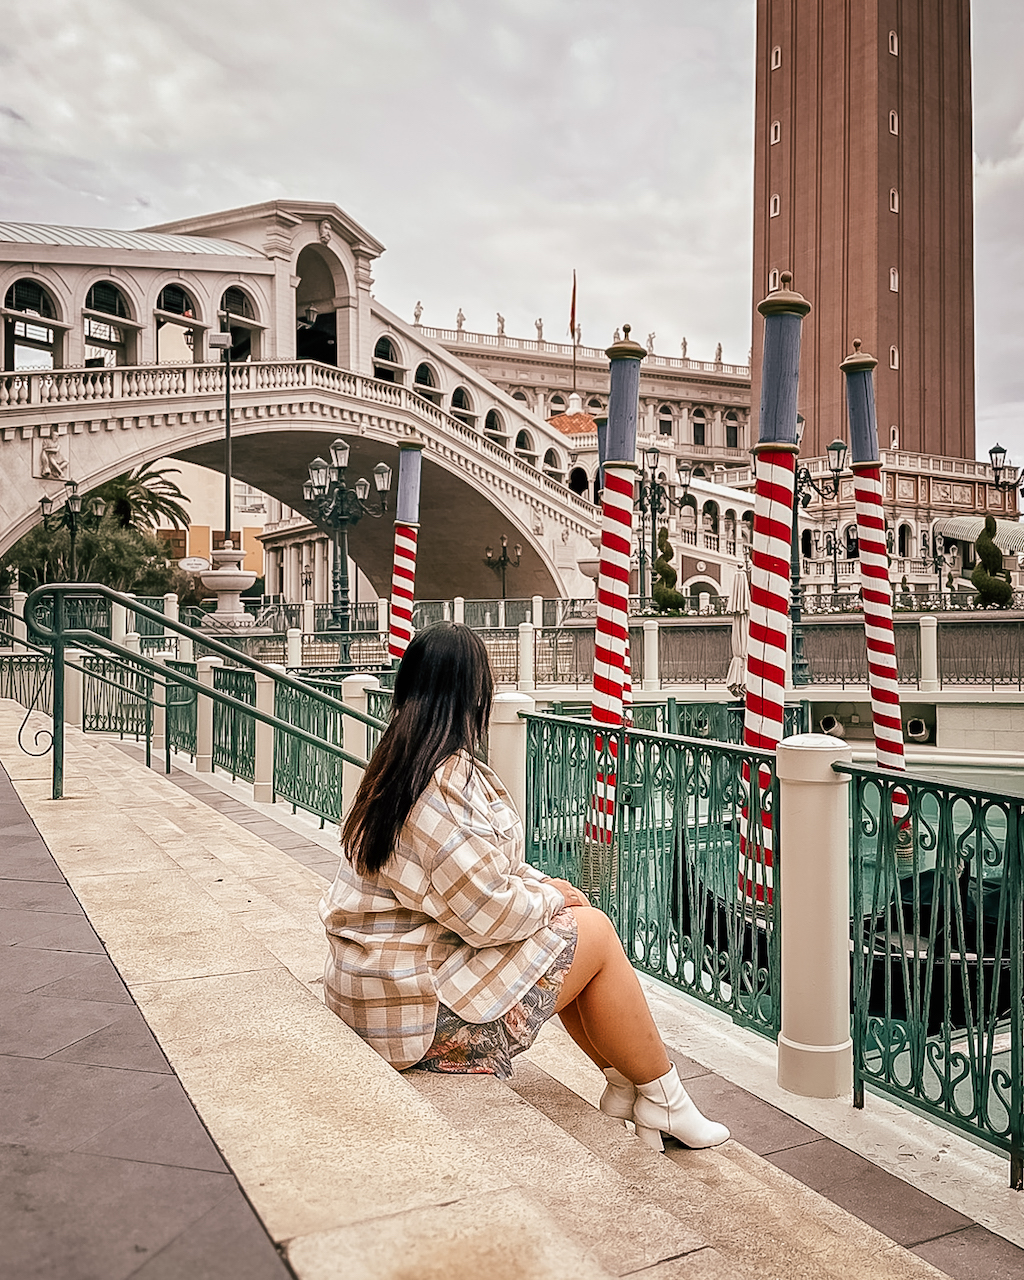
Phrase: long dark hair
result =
(442, 703)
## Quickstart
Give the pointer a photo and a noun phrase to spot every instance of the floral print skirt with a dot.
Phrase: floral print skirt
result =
(487, 1048)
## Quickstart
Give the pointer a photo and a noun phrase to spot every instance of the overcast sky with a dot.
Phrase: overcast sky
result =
(492, 145)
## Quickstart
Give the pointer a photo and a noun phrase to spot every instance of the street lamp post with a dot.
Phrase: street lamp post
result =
(804, 484)
(333, 504)
(504, 562)
(72, 516)
(222, 342)
(652, 499)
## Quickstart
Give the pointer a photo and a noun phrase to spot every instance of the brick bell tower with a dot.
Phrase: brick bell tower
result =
(863, 188)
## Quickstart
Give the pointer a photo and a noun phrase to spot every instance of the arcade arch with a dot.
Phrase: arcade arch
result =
(462, 407)
(495, 429)
(176, 335)
(108, 340)
(239, 310)
(37, 340)
(387, 360)
(427, 384)
(322, 289)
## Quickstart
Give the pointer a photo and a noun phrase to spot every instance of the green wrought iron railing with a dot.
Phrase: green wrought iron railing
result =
(670, 880)
(716, 721)
(938, 955)
(117, 697)
(234, 730)
(309, 777)
(27, 678)
(182, 709)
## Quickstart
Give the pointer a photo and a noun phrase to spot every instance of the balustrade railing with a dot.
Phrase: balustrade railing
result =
(982, 653)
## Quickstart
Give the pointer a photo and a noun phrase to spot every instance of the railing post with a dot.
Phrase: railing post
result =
(506, 743)
(293, 647)
(74, 688)
(170, 612)
(118, 622)
(501, 613)
(459, 609)
(527, 657)
(18, 599)
(929, 653)
(204, 715)
(308, 617)
(133, 642)
(538, 612)
(186, 649)
(652, 677)
(159, 739)
(815, 1056)
(263, 779)
(383, 616)
(353, 694)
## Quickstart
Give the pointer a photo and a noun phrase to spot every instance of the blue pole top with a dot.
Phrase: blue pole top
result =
(860, 404)
(410, 464)
(783, 310)
(623, 399)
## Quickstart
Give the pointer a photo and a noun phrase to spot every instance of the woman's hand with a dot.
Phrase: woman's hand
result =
(572, 895)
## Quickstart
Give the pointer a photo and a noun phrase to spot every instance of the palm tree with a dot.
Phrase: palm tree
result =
(145, 498)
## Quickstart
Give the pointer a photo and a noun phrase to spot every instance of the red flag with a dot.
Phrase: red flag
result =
(572, 310)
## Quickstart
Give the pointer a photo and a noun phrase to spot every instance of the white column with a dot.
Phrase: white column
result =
(501, 613)
(308, 617)
(527, 657)
(459, 609)
(652, 677)
(118, 622)
(204, 715)
(929, 673)
(263, 781)
(538, 612)
(353, 694)
(171, 613)
(18, 599)
(815, 1049)
(383, 616)
(74, 688)
(293, 647)
(506, 740)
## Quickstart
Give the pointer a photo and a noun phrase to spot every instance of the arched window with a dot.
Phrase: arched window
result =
(904, 541)
(462, 407)
(894, 280)
(688, 514)
(521, 396)
(732, 430)
(29, 344)
(894, 44)
(776, 58)
(425, 384)
(806, 544)
(776, 133)
(894, 357)
(175, 337)
(665, 420)
(494, 428)
(774, 207)
(386, 365)
(894, 122)
(551, 466)
(698, 420)
(240, 312)
(594, 404)
(578, 481)
(710, 517)
(894, 200)
(524, 448)
(556, 404)
(106, 342)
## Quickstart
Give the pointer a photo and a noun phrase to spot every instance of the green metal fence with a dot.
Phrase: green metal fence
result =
(116, 697)
(234, 732)
(27, 678)
(938, 955)
(304, 775)
(182, 709)
(670, 880)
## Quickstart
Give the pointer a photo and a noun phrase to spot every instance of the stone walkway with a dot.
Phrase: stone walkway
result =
(108, 1172)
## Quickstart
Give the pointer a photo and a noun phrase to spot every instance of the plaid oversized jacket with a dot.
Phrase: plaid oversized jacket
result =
(457, 917)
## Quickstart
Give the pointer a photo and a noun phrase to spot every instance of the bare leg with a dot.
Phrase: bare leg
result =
(610, 1003)
(573, 1023)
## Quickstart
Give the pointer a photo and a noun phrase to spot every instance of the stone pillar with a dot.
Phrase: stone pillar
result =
(815, 1049)
(74, 688)
(527, 657)
(652, 677)
(118, 622)
(186, 649)
(383, 616)
(204, 715)
(929, 673)
(293, 647)
(308, 617)
(459, 609)
(263, 781)
(133, 642)
(538, 612)
(507, 744)
(158, 741)
(353, 694)
(18, 599)
(170, 612)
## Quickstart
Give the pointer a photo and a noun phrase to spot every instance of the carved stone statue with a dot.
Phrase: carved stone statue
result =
(718, 354)
(650, 343)
(617, 336)
(501, 325)
(52, 463)
(579, 334)
(417, 312)
(538, 324)
(460, 320)
(682, 348)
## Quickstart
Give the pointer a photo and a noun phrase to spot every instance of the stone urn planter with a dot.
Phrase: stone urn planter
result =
(229, 580)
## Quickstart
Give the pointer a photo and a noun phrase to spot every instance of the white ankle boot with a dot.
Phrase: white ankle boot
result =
(619, 1095)
(664, 1106)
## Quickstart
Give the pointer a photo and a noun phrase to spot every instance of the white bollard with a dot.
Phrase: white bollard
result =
(383, 616)
(538, 612)
(74, 688)
(186, 649)
(263, 779)
(204, 715)
(118, 622)
(293, 647)
(133, 642)
(170, 607)
(18, 599)
(527, 657)
(459, 609)
(929, 673)
(308, 617)
(506, 741)
(652, 679)
(354, 734)
(704, 602)
(815, 1057)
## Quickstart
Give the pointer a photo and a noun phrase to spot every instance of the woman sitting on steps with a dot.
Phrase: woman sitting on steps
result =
(448, 951)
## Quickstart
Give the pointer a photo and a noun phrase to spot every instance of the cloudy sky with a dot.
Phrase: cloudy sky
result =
(492, 145)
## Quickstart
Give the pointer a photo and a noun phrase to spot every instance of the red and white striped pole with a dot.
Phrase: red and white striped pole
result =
(883, 677)
(403, 575)
(775, 470)
(612, 693)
